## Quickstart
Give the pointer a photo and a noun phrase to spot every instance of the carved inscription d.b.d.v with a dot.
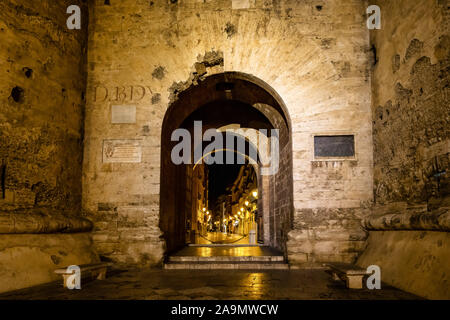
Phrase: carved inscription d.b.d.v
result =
(133, 93)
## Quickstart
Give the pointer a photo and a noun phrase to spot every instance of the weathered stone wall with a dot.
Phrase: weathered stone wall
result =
(409, 236)
(411, 98)
(411, 246)
(42, 97)
(23, 265)
(42, 93)
(414, 261)
(314, 54)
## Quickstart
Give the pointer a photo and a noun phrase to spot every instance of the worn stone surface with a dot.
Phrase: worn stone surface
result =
(206, 285)
(411, 102)
(30, 259)
(435, 220)
(411, 131)
(322, 235)
(42, 92)
(41, 221)
(414, 261)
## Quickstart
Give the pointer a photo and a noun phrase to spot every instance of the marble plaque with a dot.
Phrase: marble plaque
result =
(123, 114)
(122, 151)
(240, 4)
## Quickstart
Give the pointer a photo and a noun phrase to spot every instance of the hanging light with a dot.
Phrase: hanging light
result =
(246, 203)
(255, 193)
(204, 209)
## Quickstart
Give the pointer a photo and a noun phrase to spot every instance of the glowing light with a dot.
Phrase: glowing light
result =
(204, 209)
(255, 193)
(242, 209)
(246, 203)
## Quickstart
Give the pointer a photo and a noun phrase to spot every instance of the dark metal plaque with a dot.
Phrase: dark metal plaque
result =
(334, 146)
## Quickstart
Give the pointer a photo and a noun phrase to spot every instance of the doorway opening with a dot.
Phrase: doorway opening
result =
(224, 204)
(208, 201)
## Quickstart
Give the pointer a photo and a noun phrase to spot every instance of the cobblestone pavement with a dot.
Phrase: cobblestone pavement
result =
(184, 284)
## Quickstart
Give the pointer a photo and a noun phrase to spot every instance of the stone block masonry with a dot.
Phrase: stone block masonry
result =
(42, 100)
(86, 118)
(411, 102)
(316, 56)
(42, 97)
(409, 236)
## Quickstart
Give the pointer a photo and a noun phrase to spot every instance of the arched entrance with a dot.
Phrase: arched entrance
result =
(222, 100)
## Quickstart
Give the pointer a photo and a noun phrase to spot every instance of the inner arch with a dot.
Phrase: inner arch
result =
(217, 101)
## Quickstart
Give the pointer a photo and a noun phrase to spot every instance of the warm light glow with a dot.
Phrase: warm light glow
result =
(204, 209)
(242, 209)
(255, 193)
(246, 203)
(207, 212)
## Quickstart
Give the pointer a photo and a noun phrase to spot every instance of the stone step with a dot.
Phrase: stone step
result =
(226, 266)
(226, 259)
(224, 245)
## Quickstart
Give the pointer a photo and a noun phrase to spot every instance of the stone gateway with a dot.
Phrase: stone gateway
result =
(331, 117)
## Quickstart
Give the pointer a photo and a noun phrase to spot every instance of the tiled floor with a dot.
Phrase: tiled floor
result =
(173, 284)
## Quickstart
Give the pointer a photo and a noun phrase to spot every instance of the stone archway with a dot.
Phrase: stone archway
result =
(219, 100)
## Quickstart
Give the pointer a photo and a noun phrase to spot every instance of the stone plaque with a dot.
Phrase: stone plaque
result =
(334, 146)
(123, 114)
(122, 151)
